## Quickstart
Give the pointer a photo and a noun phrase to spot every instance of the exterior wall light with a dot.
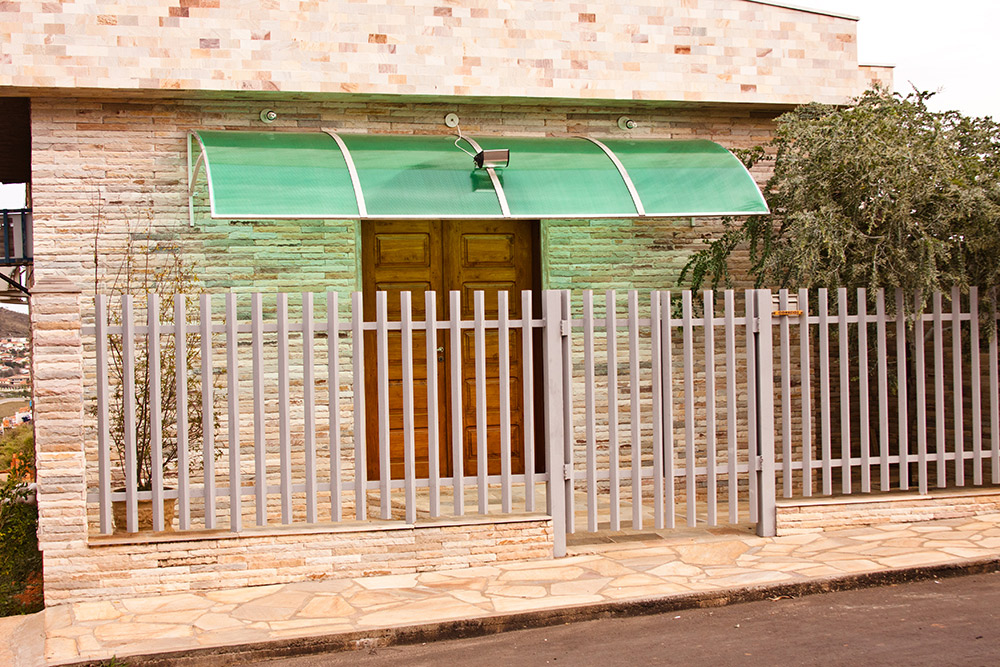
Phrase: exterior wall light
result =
(496, 158)
(268, 116)
(626, 123)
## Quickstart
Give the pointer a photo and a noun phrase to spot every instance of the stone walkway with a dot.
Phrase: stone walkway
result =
(648, 566)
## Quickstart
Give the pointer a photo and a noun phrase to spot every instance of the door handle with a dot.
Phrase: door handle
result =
(440, 352)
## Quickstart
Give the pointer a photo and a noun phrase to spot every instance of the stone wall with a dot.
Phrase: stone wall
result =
(112, 568)
(820, 514)
(682, 50)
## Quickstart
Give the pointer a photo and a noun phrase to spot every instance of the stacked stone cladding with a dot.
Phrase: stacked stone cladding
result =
(815, 516)
(684, 50)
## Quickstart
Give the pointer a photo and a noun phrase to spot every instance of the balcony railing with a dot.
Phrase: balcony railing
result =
(17, 237)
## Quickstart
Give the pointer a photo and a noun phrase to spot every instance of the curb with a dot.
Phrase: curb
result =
(489, 625)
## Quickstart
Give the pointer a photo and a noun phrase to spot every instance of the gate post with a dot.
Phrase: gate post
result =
(553, 414)
(765, 469)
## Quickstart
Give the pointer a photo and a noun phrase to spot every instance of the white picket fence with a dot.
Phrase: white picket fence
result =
(656, 408)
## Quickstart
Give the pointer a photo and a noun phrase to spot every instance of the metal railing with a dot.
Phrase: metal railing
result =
(665, 408)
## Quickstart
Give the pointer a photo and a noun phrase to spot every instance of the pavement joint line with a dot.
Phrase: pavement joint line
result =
(236, 654)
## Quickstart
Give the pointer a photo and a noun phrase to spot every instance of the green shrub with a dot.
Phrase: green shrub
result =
(20, 560)
(19, 441)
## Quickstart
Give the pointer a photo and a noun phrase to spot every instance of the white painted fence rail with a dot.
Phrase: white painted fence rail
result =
(651, 409)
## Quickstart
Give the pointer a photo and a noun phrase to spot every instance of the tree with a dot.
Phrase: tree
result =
(882, 192)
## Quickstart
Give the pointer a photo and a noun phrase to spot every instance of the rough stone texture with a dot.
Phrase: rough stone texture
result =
(685, 50)
(815, 516)
(113, 568)
(58, 417)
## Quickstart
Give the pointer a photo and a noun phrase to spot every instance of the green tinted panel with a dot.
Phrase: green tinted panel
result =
(688, 178)
(278, 174)
(560, 178)
(408, 176)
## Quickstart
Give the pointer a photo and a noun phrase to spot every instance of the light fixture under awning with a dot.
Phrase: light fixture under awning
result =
(265, 175)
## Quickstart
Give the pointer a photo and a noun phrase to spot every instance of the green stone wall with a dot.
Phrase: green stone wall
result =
(275, 255)
(619, 254)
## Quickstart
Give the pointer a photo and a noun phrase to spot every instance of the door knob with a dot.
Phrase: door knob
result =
(440, 352)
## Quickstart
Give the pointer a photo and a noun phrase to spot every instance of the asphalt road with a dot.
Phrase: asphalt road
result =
(952, 621)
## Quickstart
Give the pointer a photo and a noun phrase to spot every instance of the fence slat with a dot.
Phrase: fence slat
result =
(666, 369)
(155, 407)
(527, 387)
(901, 402)
(690, 479)
(382, 350)
(883, 392)
(482, 452)
(976, 380)
(284, 408)
(360, 409)
(635, 410)
(309, 404)
(844, 363)
(656, 366)
(824, 390)
(806, 388)
(611, 332)
(710, 453)
(333, 401)
(749, 320)
(732, 416)
(181, 394)
(939, 406)
(233, 424)
(128, 371)
(590, 409)
(918, 352)
(207, 411)
(103, 413)
(956, 365)
(569, 436)
(409, 446)
(259, 416)
(994, 397)
(457, 436)
(866, 463)
(786, 396)
(503, 336)
(433, 442)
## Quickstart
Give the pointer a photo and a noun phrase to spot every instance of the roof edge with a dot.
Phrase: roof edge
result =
(788, 5)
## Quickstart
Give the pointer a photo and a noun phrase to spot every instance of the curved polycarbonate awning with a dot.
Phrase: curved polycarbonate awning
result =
(254, 175)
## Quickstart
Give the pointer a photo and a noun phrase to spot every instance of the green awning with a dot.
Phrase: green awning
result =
(255, 175)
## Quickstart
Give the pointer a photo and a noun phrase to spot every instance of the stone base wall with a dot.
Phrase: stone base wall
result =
(112, 568)
(814, 516)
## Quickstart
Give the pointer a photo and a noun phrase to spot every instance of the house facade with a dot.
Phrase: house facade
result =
(135, 110)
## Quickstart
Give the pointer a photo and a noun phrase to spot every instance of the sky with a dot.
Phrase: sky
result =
(950, 47)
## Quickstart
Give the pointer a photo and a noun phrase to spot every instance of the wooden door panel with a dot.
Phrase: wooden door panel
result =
(492, 257)
(488, 250)
(399, 257)
(466, 256)
(493, 450)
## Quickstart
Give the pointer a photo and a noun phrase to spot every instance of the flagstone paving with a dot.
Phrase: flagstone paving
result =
(660, 564)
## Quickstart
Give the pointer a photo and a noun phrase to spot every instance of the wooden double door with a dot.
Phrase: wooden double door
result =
(442, 255)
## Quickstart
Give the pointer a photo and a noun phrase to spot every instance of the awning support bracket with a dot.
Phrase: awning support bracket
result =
(640, 209)
(359, 194)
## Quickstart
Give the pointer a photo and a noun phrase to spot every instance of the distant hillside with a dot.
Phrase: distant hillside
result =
(12, 324)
